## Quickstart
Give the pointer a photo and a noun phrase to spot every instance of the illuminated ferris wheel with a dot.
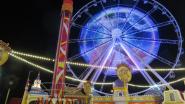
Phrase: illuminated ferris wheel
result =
(138, 33)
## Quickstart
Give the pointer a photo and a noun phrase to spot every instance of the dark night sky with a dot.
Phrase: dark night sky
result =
(32, 26)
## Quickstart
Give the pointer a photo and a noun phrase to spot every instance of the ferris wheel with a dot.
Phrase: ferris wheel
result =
(138, 33)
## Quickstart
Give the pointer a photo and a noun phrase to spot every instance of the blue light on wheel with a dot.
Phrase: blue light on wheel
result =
(112, 23)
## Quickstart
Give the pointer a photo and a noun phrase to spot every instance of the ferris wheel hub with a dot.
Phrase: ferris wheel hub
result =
(116, 33)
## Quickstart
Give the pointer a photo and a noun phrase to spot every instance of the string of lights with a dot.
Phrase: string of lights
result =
(95, 83)
(32, 56)
(53, 60)
(89, 65)
(82, 64)
(30, 63)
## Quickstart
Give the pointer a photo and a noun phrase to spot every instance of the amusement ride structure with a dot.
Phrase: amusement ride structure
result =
(125, 32)
(116, 41)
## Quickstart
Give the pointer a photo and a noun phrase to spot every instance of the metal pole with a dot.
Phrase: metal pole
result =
(7, 95)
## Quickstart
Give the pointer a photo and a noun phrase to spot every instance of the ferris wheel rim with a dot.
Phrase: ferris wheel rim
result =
(175, 23)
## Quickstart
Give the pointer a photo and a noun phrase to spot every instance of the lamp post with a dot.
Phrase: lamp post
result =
(10, 83)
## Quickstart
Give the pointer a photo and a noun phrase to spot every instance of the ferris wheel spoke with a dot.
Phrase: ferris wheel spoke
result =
(94, 62)
(136, 62)
(98, 60)
(89, 69)
(71, 71)
(84, 73)
(106, 13)
(87, 40)
(106, 28)
(92, 30)
(147, 14)
(104, 61)
(104, 79)
(164, 41)
(87, 72)
(88, 51)
(151, 69)
(161, 59)
(128, 16)
(117, 12)
(155, 26)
